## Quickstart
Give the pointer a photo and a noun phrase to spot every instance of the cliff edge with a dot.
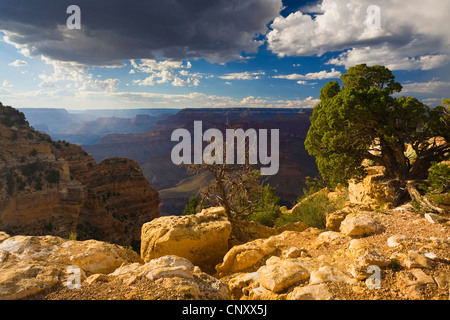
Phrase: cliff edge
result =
(55, 188)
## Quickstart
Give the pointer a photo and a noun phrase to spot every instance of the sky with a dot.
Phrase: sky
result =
(214, 53)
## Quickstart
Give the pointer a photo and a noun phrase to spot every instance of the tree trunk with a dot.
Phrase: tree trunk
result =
(400, 197)
(415, 195)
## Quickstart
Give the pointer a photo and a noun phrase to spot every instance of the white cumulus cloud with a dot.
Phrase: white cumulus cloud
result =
(18, 63)
(165, 71)
(243, 75)
(311, 76)
(430, 87)
(412, 35)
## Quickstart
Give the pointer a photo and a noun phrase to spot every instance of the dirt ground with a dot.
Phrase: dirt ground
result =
(394, 278)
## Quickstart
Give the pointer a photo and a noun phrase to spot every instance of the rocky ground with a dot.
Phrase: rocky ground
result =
(410, 252)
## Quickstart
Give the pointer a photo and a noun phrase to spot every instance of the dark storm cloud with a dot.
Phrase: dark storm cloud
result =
(218, 30)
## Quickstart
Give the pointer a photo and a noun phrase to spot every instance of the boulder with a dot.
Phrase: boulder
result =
(356, 247)
(413, 282)
(417, 260)
(398, 240)
(31, 264)
(250, 255)
(329, 238)
(293, 226)
(334, 219)
(310, 292)
(359, 224)
(20, 279)
(244, 256)
(3, 236)
(294, 252)
(95, 256)
(365, 254)
(201, 238)
(328, 273)
(279, 275)
(32, 247)
(243, 283)
(442, 279)
(374, 190)
(372, 257)
(177, 275)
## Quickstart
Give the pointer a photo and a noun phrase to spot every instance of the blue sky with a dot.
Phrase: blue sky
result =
(222, 53)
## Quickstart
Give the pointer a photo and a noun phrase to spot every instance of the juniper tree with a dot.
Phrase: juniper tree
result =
(363, 120)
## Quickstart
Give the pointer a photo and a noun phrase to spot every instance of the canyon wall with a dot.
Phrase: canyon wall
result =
(56, 188)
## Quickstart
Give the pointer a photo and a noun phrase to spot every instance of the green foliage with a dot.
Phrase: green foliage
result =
(417, 206)
(188, 295)
(439, 177)
(443, 198)
(52, 176)
(395, 264)
(10, 116)
(314, 184)
(310, 210)
(33, 153)
(30, 169)
(350, 121)
(267, 209)
(192, 206)
(438, 184)
(72, 236)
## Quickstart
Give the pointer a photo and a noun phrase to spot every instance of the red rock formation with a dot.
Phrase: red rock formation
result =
(56, 188)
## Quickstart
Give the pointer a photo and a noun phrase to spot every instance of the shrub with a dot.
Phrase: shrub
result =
(33, 153)
(52, 176)
(439, 177)
(10, 116)
(191, 207)
(30, 169)
(314, 184)
(38, 184)
(443, 198)
(267, 210)
(20, 184)
(310, 210)
(72, 236)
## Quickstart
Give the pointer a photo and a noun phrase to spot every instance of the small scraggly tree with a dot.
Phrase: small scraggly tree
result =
(239, 188)
(362, 120)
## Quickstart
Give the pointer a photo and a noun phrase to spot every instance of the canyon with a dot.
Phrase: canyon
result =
(152, 150)
(56, 188)
(144, 135)
(66, 217)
